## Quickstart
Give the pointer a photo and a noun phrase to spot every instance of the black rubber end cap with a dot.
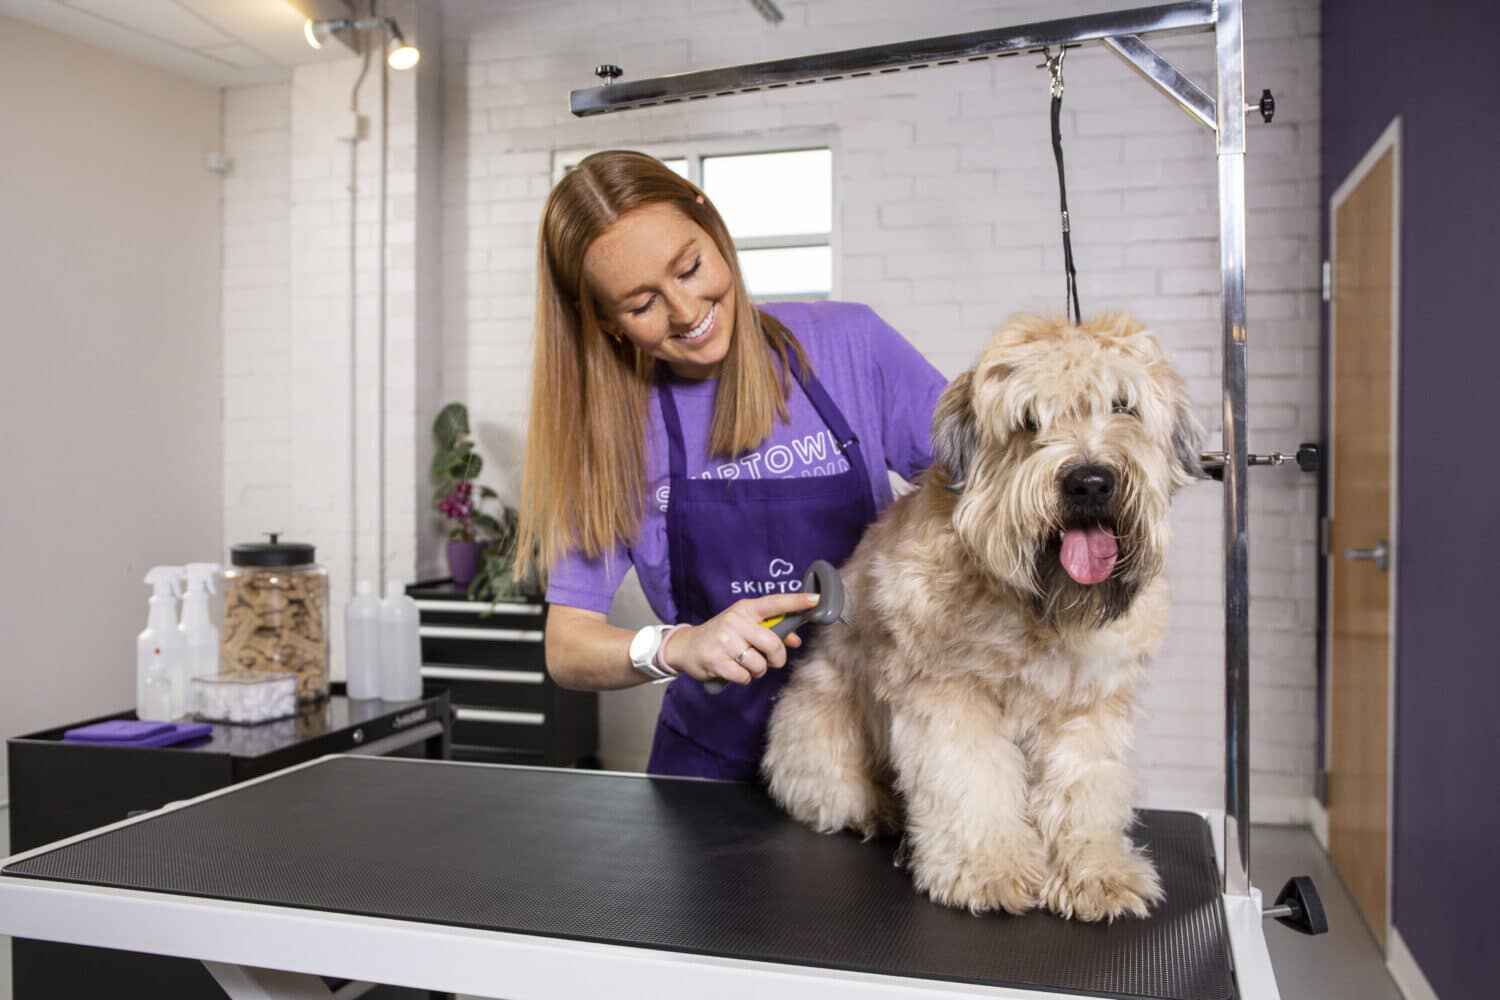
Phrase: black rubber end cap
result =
(1307, 906)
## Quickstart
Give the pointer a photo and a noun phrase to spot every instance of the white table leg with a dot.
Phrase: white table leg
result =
(243, 982)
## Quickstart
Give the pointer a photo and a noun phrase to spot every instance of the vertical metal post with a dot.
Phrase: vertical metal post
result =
(1229, 39)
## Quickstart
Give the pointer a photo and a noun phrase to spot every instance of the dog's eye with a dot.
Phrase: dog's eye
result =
(1121, 406)
(1028, 422)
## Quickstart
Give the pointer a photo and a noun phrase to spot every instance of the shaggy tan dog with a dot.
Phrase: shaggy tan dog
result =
(1002, 615)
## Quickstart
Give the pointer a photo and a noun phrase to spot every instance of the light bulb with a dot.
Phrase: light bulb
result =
(311, 34)
(404, 57)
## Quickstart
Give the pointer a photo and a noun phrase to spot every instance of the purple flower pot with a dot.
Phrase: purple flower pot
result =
(463, 562)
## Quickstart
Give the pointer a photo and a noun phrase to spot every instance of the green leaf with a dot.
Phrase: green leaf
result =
(452, 423)
(488, 494)
(466, 466)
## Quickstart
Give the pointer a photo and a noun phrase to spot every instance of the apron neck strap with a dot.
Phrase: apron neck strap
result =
(844, 437)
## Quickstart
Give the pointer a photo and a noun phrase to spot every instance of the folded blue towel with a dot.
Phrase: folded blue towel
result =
(127, 732)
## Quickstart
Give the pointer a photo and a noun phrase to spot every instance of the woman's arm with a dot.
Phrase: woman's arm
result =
(586, 653)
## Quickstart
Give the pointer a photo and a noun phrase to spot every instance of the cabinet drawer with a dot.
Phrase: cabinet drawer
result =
(519, 690)
(472, 614)
(499, 728)
(511, 649)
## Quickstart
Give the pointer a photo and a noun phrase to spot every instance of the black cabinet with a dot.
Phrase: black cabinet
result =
(489, 660)
(60, 789)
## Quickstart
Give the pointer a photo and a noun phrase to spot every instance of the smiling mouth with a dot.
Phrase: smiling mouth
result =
(702, 329)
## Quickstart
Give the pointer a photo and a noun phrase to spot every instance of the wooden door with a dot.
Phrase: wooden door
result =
(1361, 539)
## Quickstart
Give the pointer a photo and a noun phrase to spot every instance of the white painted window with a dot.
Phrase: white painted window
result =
(776, 199)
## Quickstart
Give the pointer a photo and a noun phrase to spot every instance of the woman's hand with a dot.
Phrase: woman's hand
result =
(733, 645)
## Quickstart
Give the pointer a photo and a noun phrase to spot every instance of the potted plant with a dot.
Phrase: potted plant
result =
(481, 546)
(455, 467)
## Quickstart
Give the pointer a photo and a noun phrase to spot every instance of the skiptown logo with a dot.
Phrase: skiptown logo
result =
(779, 570)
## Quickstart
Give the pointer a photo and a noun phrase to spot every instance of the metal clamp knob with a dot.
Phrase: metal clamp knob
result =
(608, 72)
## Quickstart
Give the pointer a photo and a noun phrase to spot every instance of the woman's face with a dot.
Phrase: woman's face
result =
(661, 283)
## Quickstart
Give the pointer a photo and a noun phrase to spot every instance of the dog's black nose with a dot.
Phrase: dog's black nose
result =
(1089, 484)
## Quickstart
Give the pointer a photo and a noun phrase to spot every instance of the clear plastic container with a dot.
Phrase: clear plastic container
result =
(276, 615)
(246, 697)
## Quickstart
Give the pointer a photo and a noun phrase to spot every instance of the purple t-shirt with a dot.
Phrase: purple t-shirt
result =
(884, 387)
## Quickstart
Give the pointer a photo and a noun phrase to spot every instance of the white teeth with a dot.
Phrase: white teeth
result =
(698, 331)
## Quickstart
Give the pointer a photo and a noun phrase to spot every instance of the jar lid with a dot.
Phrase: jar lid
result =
(272, 553)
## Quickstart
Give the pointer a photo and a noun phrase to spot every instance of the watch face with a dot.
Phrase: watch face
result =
(643, 645)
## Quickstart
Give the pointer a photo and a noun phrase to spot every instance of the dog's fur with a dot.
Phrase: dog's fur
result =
(982, 699)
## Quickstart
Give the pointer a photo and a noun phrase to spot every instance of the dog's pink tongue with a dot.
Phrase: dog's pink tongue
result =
(1088, 554)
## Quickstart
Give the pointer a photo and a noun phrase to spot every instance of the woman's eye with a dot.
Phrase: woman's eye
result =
(694, 269)
(641, 311)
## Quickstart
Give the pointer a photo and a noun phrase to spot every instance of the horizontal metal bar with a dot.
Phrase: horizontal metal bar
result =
(446, 673)
(480, 607)
(491, 715)
(783, 242)
(480, 634)
(1165, 77)
(944, 50)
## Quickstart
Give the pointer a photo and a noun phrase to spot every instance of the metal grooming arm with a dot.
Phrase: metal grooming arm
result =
(1120, 32)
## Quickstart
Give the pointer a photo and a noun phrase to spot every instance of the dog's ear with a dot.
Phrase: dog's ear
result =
(955, 437)
(1187, 439)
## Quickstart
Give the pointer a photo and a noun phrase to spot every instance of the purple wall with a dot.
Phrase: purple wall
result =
(1435, 64)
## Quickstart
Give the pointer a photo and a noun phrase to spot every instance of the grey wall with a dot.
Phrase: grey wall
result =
(109, 363)
(1434, 64)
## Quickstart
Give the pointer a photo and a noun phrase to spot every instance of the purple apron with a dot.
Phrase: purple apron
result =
(761, 534)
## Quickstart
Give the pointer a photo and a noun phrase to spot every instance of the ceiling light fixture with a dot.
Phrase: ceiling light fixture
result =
(399, 54)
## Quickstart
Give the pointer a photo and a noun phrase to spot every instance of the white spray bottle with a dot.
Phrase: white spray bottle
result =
(159, 651)
(199, 635)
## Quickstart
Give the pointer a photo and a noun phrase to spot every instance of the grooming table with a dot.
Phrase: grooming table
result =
(521, 883)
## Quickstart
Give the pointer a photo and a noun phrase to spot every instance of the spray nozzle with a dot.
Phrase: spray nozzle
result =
(165, 580)
(200, 573)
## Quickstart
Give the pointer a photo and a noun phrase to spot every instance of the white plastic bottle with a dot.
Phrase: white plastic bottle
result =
(199, 636)
(400, 646)
(157, 701)
(362, 646)
(159, 649)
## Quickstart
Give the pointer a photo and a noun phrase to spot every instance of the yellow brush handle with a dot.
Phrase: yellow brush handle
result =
(772, 622)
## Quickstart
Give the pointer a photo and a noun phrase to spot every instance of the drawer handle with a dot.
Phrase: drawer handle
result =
(480, 607)
(491, 715)
(480, 634)
(465, 674)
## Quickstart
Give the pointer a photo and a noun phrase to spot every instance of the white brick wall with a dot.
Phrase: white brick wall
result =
(946, 225)
(302, 411)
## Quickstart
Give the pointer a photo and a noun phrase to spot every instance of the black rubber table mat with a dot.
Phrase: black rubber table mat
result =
(688, 866)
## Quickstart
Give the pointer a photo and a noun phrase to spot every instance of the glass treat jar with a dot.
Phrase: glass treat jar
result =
(276, 614)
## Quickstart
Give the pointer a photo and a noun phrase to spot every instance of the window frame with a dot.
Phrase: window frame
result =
(695, 151)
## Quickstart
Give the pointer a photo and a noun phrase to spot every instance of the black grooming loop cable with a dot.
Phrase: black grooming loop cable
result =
(1054, 67)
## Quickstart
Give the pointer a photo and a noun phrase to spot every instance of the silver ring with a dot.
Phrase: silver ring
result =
(741, 658)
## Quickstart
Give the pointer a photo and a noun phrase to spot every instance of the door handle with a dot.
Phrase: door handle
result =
(1380, 555)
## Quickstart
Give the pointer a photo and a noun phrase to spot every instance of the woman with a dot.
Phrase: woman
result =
(717, 448)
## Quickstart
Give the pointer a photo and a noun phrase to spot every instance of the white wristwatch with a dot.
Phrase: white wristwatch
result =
(643, 652)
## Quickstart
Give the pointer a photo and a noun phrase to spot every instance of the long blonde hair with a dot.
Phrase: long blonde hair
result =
(584, 482)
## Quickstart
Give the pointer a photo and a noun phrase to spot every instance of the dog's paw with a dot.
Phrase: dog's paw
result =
(1007, 875)
(1102, 881)
(829, 802)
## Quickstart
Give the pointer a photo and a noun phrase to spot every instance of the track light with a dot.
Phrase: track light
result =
(400, 55)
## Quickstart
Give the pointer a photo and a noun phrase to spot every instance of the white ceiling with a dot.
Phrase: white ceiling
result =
(222, 43)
